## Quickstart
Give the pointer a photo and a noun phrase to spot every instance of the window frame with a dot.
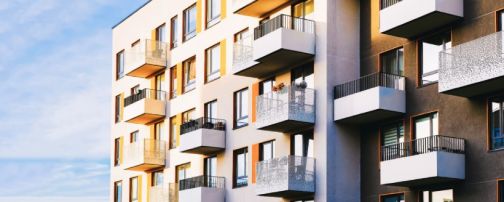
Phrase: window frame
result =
(173, 134)
(428, 114)
(236, 153)
(154, 181)
(382, 54)
(262, 145)
(189, 35)
(498, 20)
(120, 64)
(500, 190)
(117, 194)
(240, 35)
(174, 32)
(134, 136)
(173, 82)
(206, 165)
(208, 107)
(210, 22)
(238, 108)
(261, 85)
(420, 49)
(212, 75)
(131, 191)
(421, 192)
(117, 152)
(188, 85)
(188, 115)
(383, 196)
(161, 33)
(490, 133)
(117, 109)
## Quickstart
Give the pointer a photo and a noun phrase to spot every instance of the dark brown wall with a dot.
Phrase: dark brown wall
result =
(458, 117)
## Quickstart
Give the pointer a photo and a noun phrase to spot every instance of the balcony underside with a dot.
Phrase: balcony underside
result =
(424, 182)
(289, 194)
(371, 117)
(145, 70)
(259, 8)
(286, 126)
(145, 118)
(423, 24)
(480, 88)
(144, 167)
(274, 62)
(204, 150)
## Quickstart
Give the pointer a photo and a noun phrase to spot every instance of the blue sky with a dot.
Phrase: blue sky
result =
(55, 70)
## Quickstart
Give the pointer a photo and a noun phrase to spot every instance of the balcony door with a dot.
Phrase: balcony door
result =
(303, 76)
(160, 86)
(160, 131)
(182, 172)
(210, 171)
(425, 127)
(302, 144)
(392, 62)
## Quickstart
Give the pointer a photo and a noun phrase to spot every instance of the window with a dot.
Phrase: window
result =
(160, 85)
(118, 191)
(161, 33)
(120, 65)
(174, 32)
(302, 9)
(212, 65)
(182, 172)
(211, 109)
(157, 178)
(303, 76)
(500, 191)
(211, 166)
(241, 35)
(267, 150)
(117, 151)
(496, 125)
(134, 137)
(437, 196)
(241, 108)
(134, 189)
(500, 20)
(135, 90)
(302, 144)
(391, 135)
(189, 74)
(135, 44)
(173, 82)
(392, 62)
(266, 86)
(117, 108)
(188, 115)
(392, 198)
(190, 22)
(240, 178)
(426, 126)
(173, 132)
(429, 53)
(213, 11)
(159, 131)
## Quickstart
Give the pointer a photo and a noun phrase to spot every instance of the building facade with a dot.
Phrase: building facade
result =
(309, 100)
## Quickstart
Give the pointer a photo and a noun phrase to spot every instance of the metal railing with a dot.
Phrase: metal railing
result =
(290, 101)
(242, 53)
(423, 146)
(147, 51)
(368, 82)
(202, 181)
(284, 21)
(388, 3)
(146, 151)
(203, 122)
(145, 93)
(295, 172)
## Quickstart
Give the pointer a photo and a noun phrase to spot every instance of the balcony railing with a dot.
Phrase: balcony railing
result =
(294, 173)
(145, 93)
(368, 82)
(148, 51)
(243, 53)
(423, 146)
(388, 3)
(203, 122)
(284, 21)
(202, 181)
(146, 151)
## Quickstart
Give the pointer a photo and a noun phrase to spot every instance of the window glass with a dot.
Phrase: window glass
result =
(134, 189)
(302, 144)
(267, 150)
(241, 35)
(241, 108)
(173, 82)
(211, 109)
(213, 12)
(157, 178)
(173, 132)
(426, 126)
(190, 22)
(393, 198)
(211, 166)
(118, 191)
(501, 191)
(392, 62)
(188, 116)
(500, 20)
(160, 131)
(117, 108)
(134, 137)
(302, 9)
(392, 134)
(117, 151)
(213, 63)
(437, 196)
(120, 65)
(189, 74)
(174, 31)
(240, 165)
(182, 172)
(497, 123)
(161, 33)
(303, 76)
(431, 47)
(266, 86)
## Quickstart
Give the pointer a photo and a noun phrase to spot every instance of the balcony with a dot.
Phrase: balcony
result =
(256, 8)
(279, 43)
(146, 154)
(424, 161)
(202, 188)
(146, 58)
(288, 109)
(287, 177)
(203, 136)
(411, 18)
(146, 106)
(473, 68)
(164, 193)
(369, 99)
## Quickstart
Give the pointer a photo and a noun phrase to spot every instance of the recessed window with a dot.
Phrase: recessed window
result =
(134, 136)
(500, 191)
(211, 109)
(161, 33)
(190, 22)
(117, 109)
(303, 76)
(173, 132)
(392, 198)
(211, 166)
(500, 20)
(213, 63)
(241, 108)
(266, 86)
(189, 74)
(426, 126)
(496, 125)
(160, 131)
(213, 12)
(391, 136)
(240, 178)
(174, 32)
(430, 49)
(302, 144)
(182, 172)
(392, 62)
(120, 65)
(117, 151)
(173, 82)
(157, 178)
(267, 150)
(118, 191)
(134, 189)
(437, 196)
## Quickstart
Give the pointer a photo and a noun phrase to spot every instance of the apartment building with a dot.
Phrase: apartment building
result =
(308, 100)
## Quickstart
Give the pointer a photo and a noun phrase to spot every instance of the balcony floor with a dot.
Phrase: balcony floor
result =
(370, 117)
(422, 25)
(287, 126)
(289, 194)
(480, 88)
(145, 118)
(274, 62)
(145, 70)
(144, 167)
(426, 182)
(204, 150)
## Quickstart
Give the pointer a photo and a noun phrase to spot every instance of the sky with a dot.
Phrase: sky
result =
(55, 109)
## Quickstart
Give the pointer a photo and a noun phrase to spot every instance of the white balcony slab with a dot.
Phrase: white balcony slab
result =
(203, 141)
(145, 111)
(202, 194)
